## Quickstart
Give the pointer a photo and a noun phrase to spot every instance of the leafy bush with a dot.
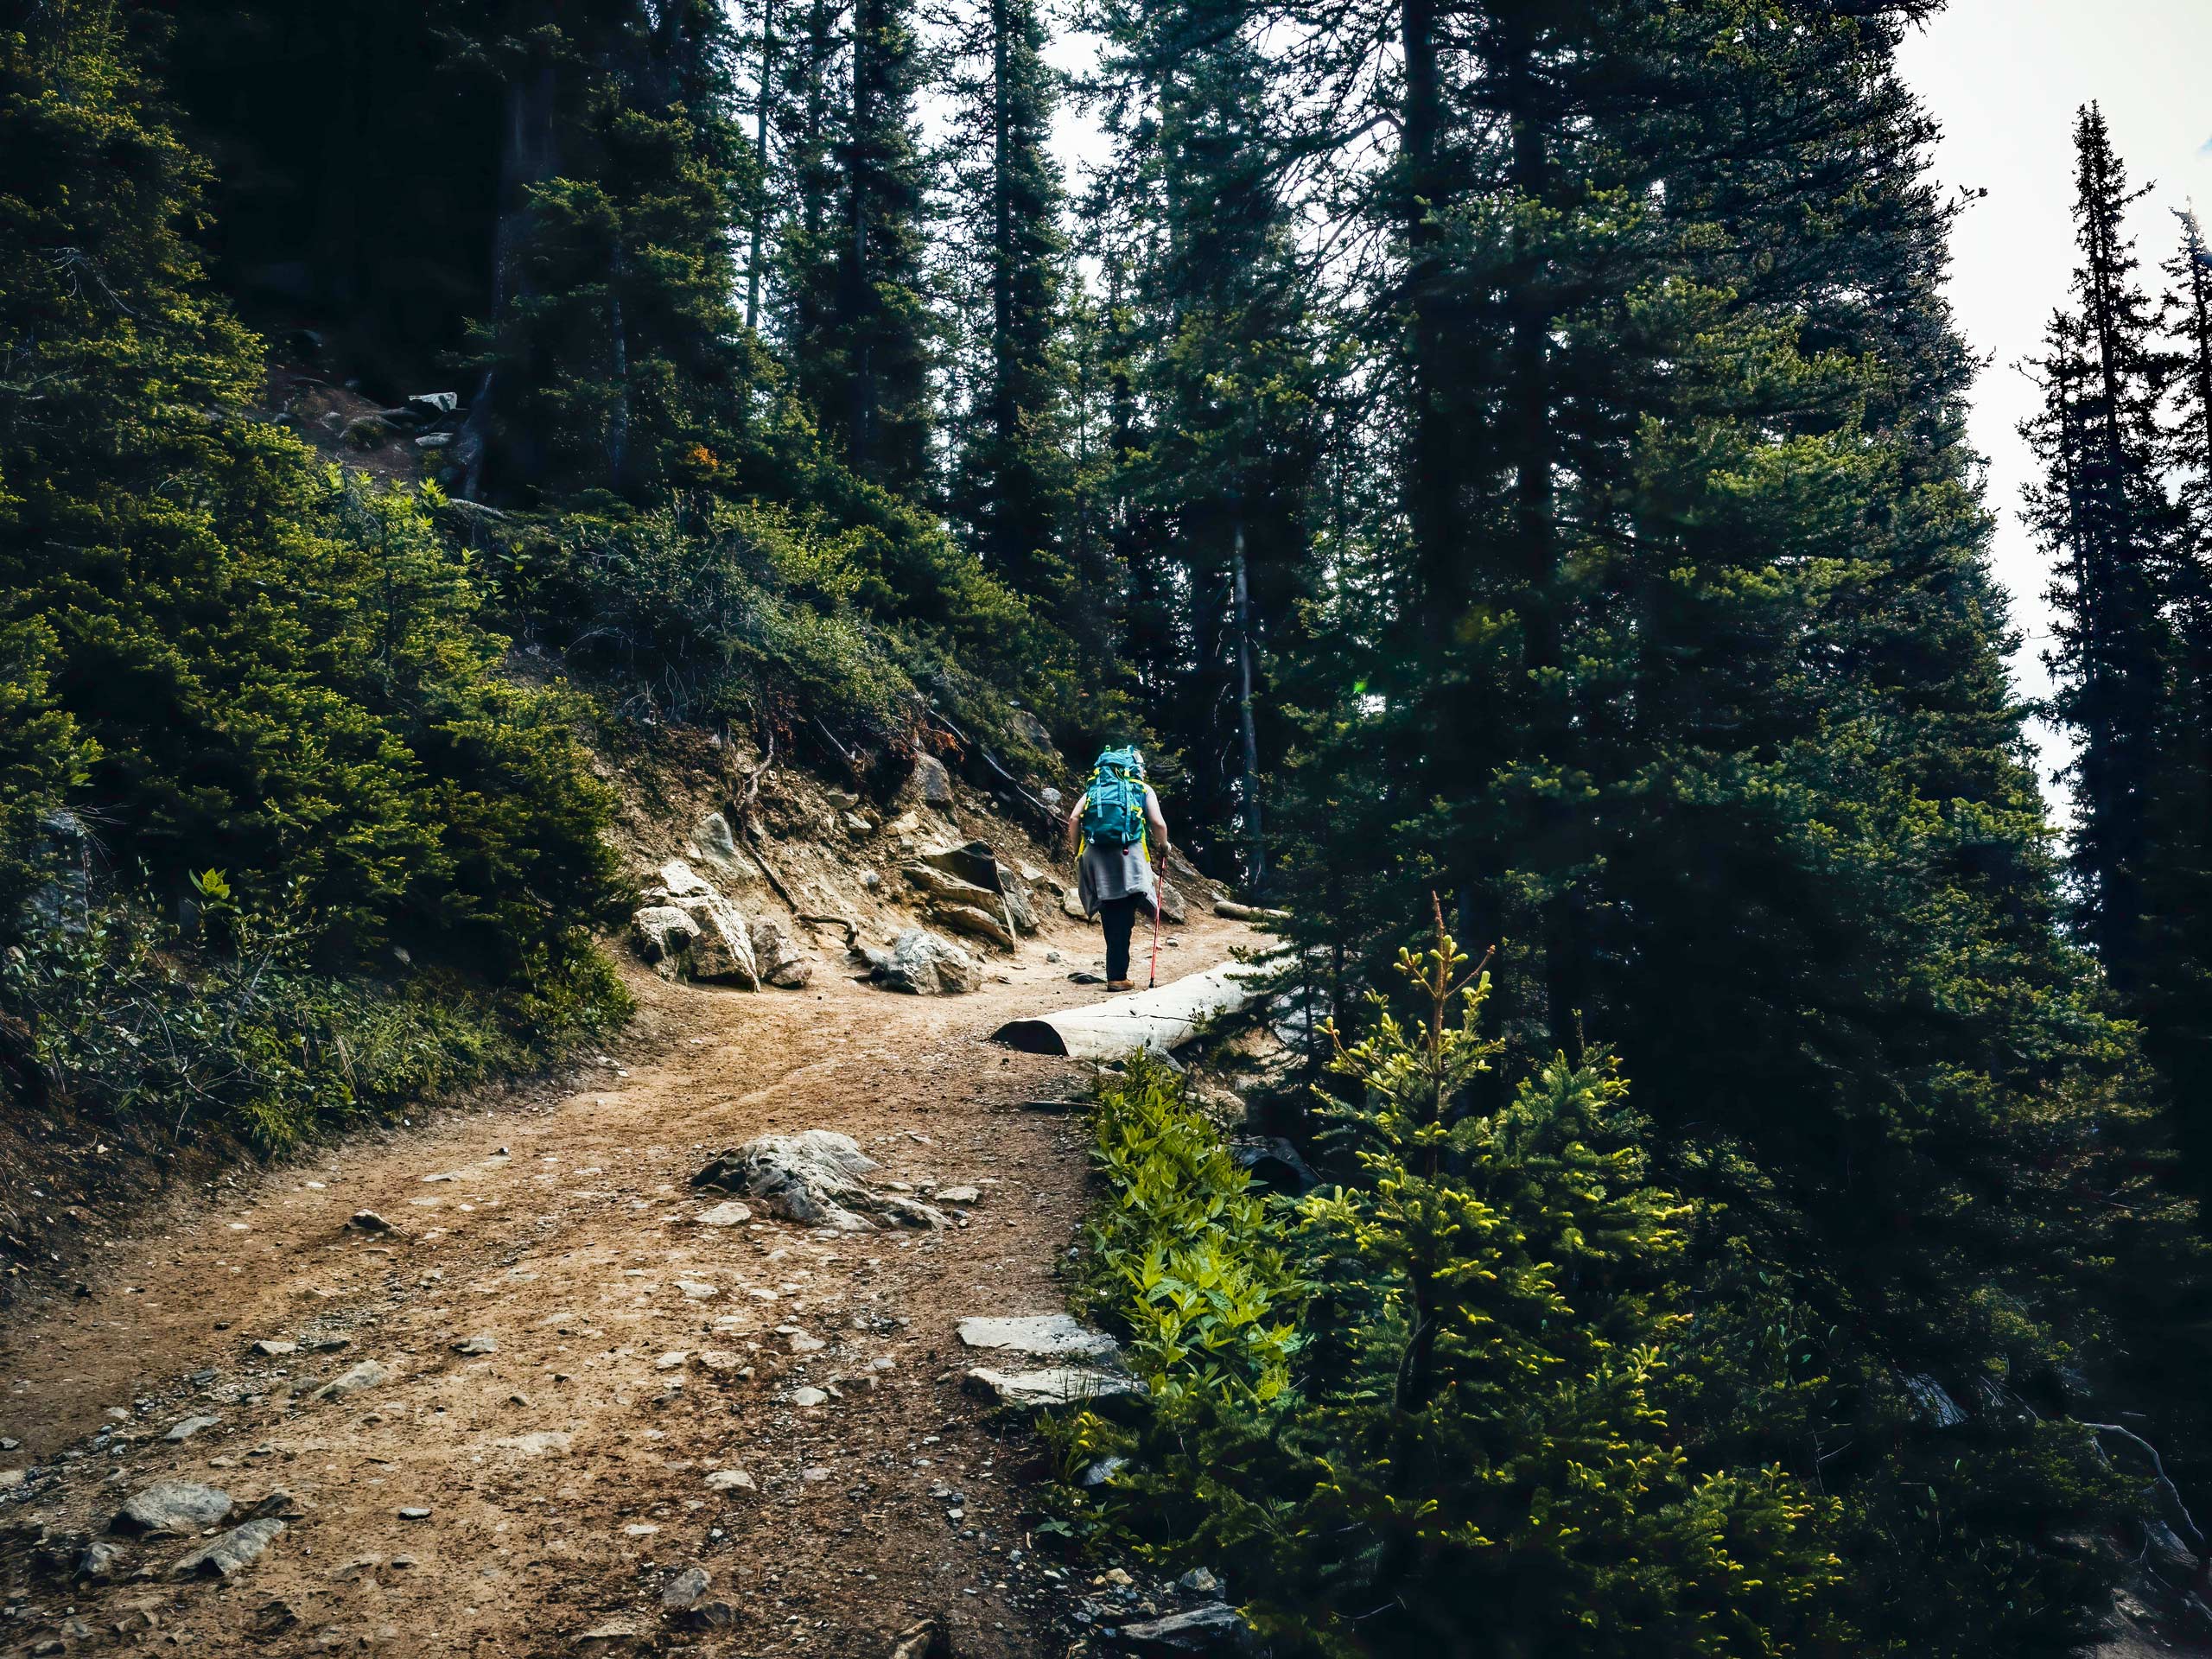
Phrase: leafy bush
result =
(1183, 1253)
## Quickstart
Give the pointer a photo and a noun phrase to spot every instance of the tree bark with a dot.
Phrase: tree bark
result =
(529, 154)
(761, 160)
(1255, 858)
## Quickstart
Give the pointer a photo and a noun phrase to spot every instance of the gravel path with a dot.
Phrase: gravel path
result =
(570, 1389)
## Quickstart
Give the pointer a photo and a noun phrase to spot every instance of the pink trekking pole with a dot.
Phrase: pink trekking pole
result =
(1152, 982)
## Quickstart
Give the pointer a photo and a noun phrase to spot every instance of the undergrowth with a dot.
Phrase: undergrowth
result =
(226, 1027)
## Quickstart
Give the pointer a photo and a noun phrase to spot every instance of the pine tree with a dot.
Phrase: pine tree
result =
(1496, 1312)
(1011, 484)
(612, 356)
(868, 358)
(2173, 993)
(2101, 511)
(1232, 377)
(269, 670)
(1675, 660)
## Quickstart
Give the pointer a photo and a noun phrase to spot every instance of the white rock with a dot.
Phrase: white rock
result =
(730, 1480)
(684, 1589)
(924, 963)
(664, 936)
(808, 1397)
(221, 1557)
(723, 949)
(732, 1214)
(1056, 1387)
(365, 1375)
(697, 1290)
(1041, 1336)
(173, 1506)
(536, 1443)
(681, 881)
(813, 1178)
(777, 956)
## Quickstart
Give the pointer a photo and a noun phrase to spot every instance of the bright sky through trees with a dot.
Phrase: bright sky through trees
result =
(2004, 78)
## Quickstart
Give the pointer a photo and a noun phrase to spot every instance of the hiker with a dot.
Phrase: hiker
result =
(1107, 831)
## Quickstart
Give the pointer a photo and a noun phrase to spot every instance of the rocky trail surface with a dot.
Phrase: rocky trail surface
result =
(508, 1385)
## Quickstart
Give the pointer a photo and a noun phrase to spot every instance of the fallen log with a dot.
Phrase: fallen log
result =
(1154, 1021)
(1237, 912)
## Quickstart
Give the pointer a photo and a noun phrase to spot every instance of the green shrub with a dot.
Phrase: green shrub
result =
(225, 1027)
(229, 653)
(1183, 1253)
(1465, 1447)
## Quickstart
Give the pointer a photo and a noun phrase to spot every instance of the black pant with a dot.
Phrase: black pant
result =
(1117, 916)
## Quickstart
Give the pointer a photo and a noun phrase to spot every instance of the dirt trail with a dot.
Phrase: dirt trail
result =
(564, 1474)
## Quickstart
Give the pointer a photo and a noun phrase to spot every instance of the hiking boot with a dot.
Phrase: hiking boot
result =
(1120, 984)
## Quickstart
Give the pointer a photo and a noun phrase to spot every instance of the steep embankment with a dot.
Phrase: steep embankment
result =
(508, 1500)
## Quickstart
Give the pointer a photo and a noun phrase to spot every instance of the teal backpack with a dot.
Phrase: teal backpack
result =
(1114, 816)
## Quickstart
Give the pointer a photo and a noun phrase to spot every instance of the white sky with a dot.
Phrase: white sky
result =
(2004, 78)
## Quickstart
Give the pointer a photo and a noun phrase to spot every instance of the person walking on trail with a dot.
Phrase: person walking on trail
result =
(1107, 831)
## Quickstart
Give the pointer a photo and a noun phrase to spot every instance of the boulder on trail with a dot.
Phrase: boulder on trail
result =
(219, 1558)
(173, 1506)
(685, 1591)
(936, 886)
(777, 956)
(925, 964)
(101, 1561)
(974, 863)
(716, 844)
(974, 923)
(664, 936)
(1041, 1336)
(723, 949)
(1172, 908)
(365, 1375)
(814, 1178)
(679, 880)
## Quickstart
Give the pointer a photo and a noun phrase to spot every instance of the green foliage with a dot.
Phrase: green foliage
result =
(1468, 1443)
(1185, 1252)
(227, 1027)
(615, 359)
(282, 670)
(713, 613)
(42, 756)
